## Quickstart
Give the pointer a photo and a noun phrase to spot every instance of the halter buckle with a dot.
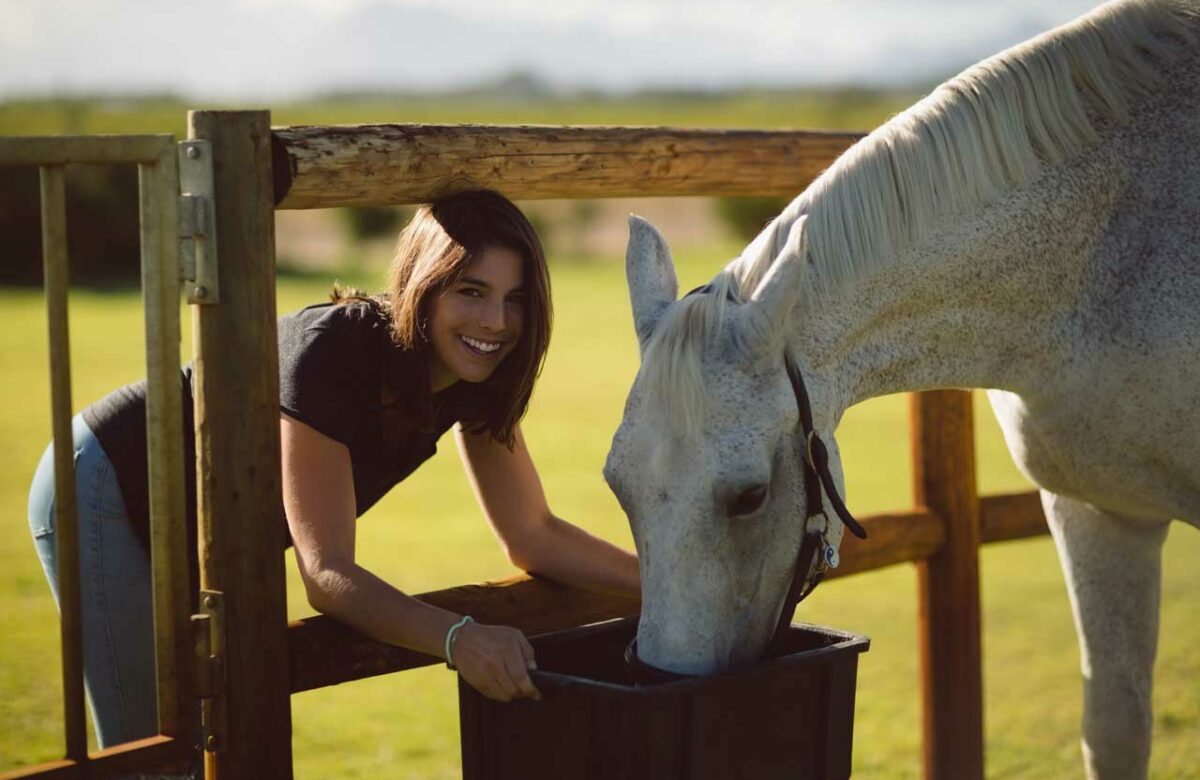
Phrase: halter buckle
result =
(808, 448)
(830, 555)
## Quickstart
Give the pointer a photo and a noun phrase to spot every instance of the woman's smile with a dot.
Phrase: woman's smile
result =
(481, 347)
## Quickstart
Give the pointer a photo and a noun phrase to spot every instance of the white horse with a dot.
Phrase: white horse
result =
(1032, 227)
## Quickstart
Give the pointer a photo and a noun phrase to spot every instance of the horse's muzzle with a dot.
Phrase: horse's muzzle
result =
(645, 674)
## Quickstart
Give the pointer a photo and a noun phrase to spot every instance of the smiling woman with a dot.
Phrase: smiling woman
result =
(368, 384)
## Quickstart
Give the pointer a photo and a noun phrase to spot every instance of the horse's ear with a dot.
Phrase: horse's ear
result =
(779, 291)
(651, 276)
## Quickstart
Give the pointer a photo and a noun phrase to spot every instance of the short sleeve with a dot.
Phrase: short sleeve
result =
(323, 381)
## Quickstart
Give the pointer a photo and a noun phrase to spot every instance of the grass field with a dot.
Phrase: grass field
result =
(428, 534)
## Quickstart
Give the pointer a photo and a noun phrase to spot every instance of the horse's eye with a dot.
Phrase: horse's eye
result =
(748, 501)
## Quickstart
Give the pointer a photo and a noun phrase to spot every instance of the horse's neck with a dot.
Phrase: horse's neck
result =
(979, 303)
(993, 298)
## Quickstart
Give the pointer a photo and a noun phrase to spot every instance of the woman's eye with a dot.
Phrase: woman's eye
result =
(470, 292)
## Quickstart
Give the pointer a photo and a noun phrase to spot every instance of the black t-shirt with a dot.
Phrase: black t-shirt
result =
(341, 374)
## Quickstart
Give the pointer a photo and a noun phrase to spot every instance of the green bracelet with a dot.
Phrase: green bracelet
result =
(450, 638)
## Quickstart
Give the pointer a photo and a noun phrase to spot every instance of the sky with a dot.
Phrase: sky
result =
(282, 49)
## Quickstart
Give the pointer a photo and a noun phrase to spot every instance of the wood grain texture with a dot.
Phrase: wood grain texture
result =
(376, 165)
(159, 753)
(237, 443)
(326, 652)
(949, 631)
(158, 186)
(892, 538)
(66, 520)
(1012, 516)
(64, 149)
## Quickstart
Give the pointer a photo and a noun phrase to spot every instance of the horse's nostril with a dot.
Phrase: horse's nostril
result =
(748, 501)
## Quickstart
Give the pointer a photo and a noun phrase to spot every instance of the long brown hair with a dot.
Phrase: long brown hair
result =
(433, 252)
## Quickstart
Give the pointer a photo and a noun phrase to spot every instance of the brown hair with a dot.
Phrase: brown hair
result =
(433, 252)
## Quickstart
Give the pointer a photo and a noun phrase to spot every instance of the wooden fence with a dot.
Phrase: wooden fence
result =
(259, 169)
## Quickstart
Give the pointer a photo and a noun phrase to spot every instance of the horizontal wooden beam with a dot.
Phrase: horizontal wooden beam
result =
(891, 539)
(65, 149)
(1012, 516)
(326, 652)
(152, 754)
(376, 165)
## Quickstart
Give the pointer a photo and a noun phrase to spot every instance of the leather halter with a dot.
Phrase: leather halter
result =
(816, 556)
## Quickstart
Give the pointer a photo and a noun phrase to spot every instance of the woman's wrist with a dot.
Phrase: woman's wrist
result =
(451, 636)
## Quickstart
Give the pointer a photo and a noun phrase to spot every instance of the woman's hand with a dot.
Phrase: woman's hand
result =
(496, 661)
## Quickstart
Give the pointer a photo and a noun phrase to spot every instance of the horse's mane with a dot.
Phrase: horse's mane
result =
(993, 127)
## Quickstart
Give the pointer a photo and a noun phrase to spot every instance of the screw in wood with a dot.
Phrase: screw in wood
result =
(209, 601)
(211, 743)
(193, 153)
(201, 293)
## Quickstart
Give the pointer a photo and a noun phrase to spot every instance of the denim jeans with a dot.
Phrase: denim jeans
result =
(118, 613)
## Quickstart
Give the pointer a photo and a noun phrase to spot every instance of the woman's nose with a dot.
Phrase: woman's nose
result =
(493, 316)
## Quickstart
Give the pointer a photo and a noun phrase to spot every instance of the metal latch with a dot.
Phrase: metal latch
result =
(209, 635)
(197, 227)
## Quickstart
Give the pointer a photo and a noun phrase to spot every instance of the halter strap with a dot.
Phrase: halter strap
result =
(816, 457)
(816, 555)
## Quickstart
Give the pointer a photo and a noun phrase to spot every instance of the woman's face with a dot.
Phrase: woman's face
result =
(478, 320)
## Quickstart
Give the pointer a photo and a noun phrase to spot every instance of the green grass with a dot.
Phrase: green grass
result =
(429, 534)
(849, 110)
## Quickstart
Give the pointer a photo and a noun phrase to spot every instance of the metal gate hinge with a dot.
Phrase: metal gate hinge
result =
(197, 227)
(209, 636)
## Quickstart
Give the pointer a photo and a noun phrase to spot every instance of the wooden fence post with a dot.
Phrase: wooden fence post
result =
(949, 617)
(237, 446)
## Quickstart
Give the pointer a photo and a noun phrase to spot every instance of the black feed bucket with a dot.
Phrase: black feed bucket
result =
(791, 717)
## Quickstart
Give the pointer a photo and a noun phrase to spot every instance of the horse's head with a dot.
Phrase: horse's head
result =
(708, 460)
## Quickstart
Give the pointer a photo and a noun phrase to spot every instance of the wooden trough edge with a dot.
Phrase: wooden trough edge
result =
(325, 652)
(379, 165)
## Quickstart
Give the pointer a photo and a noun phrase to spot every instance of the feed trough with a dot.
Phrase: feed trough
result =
(789, 717)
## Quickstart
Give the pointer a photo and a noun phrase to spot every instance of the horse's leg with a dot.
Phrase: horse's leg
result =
(1113, 569)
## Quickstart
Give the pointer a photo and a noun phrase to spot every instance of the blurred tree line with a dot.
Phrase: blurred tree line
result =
(746, 217)
(102, 225)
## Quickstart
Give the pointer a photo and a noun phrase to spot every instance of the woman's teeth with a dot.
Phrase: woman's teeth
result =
(481, 346)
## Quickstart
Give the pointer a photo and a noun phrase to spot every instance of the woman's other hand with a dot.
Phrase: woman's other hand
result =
(496, 661)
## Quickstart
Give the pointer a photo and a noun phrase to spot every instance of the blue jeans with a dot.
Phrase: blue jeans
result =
(118, 613)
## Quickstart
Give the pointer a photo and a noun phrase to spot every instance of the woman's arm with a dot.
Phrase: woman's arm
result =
(318, 497)
(507, 486)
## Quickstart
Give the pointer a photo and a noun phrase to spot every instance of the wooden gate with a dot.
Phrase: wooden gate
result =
(159, 207)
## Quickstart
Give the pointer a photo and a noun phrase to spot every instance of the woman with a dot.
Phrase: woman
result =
(367, 386)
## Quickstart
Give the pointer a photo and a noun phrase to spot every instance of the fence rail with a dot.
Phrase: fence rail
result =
(324, 652)
(373, 165)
